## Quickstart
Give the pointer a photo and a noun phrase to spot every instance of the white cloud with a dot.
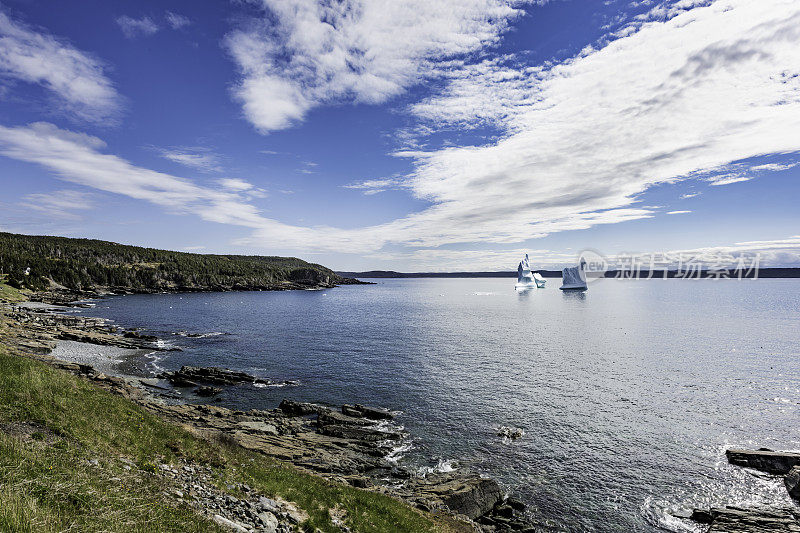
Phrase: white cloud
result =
(739, 172)
(774, 167)
(308, 167)
(370, 187)
(246, 190)
(76, 78)
(727, 179)
(678, 212)
(303, 53)
(690, 195)
(133, 28)
(235, 184)
(59, 204)
(77, 158)
(176, 20)
(771, 253)
(198, 158)
(671, 100)
(706, 87)
(747, 254)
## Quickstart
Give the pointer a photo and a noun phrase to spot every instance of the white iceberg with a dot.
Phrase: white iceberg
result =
(574, 278)
(527, 279)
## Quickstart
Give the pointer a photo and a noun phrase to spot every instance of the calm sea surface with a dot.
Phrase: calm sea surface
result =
(628, 394)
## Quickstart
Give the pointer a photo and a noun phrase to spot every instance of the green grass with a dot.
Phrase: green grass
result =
(48, 484)
(9, 293)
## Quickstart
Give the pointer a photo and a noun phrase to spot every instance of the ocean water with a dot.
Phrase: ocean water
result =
(628, 394)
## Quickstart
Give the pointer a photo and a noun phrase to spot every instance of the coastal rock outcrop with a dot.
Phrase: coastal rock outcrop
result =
(311, 277)
(765, 460)
(42, 328)
(472, 496)
(373, 413)
(292, 408)
(732, 519)
(191, 376)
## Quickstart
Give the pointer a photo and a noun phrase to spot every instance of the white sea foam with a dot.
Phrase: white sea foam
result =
(164, 345)
(277, 384)
(398, 452)
(442, 466)
(154, 358)
(660, 515)
(183, 333)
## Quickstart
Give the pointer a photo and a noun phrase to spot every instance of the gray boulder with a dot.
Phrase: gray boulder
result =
(471, 496)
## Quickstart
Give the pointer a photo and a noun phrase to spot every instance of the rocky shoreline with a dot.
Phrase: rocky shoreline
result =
(736, 519)
(350, 444)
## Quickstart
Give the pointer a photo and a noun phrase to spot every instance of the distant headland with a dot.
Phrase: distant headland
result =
(93, 266)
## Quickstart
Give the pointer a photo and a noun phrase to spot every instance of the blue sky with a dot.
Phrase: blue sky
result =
(405, 135)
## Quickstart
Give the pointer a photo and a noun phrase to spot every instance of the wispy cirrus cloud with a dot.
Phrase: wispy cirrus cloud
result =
(59, 204)
(76, 78)
(193, 157)
(247, 189)
(301, 54)
(132, 27)
(739, 172)
(78, 158)
(370, 187)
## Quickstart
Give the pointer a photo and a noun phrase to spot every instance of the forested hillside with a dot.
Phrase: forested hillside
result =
(89, 265)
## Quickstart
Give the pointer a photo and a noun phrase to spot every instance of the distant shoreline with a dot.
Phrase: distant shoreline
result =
(767, 273)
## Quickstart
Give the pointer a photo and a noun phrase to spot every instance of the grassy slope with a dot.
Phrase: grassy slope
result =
(52, 424)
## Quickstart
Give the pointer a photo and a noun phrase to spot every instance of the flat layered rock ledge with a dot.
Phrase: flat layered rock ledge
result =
(733, 519)
(350, 444)
(748, 520)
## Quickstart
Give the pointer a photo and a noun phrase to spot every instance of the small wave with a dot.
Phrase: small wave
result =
(154, 358)
(659, 515)
(442, 467)
(387, 426)
(164, 345)
(398, 452)
(200, 335)
(277, 384)
(484, 293)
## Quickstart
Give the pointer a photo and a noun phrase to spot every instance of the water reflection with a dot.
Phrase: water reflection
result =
(574, 295)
